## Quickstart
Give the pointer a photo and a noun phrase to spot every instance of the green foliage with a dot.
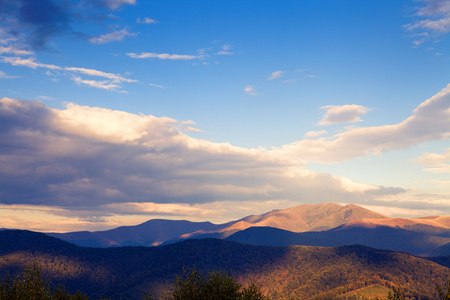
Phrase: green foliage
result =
(29, 285)
(195, 285)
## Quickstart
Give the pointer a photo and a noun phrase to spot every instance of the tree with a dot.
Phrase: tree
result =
(444, 295)
(396, 294)
(195, 285)
(29, 285)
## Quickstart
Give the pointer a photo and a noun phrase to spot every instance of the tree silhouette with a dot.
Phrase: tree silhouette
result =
(195, 285)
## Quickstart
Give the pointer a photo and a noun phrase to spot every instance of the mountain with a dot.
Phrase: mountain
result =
(294, 272)
(155, 232)
(380, 237)
(307, 217)
(325, 224)
(301, 218)
(150, 233)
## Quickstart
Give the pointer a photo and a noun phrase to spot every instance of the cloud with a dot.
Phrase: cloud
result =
(115, 36)
(35, 22)
(430, 121)
(14, 51)
(225, 50)
(342, 114)
(164, 56)
(275, 75)
(32, 24)
(434, 20)
(112, 81)
(6, 76)
(314, 134)
(104, 84)
(28, 62)
(156, 85)
(146, 21)
(93, 159)
(114, 4)
(438, 163)
(250, 90)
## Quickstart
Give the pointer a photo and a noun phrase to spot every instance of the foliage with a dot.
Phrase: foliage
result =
(296, 272)
(444, 295)
(195, 285)
(29, 285)
(396, 294)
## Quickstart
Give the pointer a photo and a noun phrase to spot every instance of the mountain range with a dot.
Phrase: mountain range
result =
(291, 272)
(325, 224)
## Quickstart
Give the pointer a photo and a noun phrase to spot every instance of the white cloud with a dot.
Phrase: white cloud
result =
(164, 56)
(146, 21)
(114, 4)
(442, 183)
(436, 22)
(314, 134)
(89, 164)
(28, 62)
(225, 50)
(438, 163)
(430, 121)
(14, 51)
(276, 75)
(342, 114)
(105, 84)
(6, 76)
(115, 36)
(112, 82)
(87, 158)
(156, 85)
(92, 72)
(250, 90)
(404, 212)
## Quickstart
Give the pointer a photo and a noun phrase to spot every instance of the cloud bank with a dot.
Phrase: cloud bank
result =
(429, 121)
(93, 164)
(90, 157)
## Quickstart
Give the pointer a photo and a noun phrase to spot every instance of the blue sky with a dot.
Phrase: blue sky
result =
(118, 111)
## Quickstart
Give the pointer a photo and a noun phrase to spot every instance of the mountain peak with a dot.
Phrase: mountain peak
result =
(310, 217)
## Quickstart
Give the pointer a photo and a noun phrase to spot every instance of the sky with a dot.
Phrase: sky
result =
(114, 112)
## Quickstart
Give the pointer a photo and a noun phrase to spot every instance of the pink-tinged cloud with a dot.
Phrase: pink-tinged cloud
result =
(164, 56)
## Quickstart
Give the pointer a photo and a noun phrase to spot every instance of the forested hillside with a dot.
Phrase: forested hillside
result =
(297, 272)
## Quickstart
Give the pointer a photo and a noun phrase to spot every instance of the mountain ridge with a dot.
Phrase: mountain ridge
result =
(326, 224)
(293, 272)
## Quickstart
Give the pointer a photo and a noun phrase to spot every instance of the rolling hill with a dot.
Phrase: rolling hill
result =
(294, 272)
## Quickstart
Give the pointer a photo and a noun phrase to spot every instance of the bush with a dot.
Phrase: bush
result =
(195, 285)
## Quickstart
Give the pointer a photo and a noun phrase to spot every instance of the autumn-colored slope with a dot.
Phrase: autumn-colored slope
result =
(295, 272)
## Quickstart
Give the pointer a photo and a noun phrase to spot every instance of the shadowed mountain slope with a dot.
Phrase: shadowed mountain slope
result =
(150, 233)
(295, 272)
(380, 237)
(301, 218)
(155, 232)
(352, 224)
